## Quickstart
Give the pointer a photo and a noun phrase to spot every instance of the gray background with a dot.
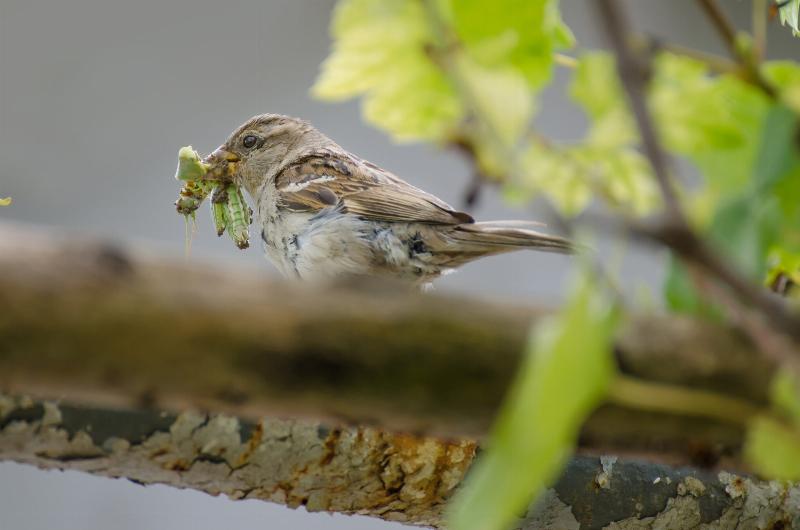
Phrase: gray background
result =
(96, 96)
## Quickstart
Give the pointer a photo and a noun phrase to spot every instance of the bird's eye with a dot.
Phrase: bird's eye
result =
(249, 141)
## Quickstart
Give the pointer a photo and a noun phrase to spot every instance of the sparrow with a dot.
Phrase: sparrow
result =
(326, 213)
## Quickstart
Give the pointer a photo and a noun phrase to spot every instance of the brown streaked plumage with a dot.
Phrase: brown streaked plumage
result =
(324, 212)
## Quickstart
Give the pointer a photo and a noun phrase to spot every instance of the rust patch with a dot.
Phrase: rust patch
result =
(252, 444)
(424, 469)
(178, 465)
(329, 446)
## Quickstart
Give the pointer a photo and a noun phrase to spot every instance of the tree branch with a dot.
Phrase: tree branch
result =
(100, 324)
(365, 471)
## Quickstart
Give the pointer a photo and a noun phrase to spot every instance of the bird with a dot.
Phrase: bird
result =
(325, 213)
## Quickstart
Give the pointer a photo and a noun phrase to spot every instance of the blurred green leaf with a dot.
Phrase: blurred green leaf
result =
(383, 50)
(728, 171)
(692, 109)
(773, 449)
(522, 34)
(564, 376)
(501, 97)
(785, 77)
(756, 190)
(605, 163)
(379, 52)
(790, 16)
(555, 174)
(595, 86)
(5, 201)
(777, 154)
(744, 229)
(571, 176)
(765, 213)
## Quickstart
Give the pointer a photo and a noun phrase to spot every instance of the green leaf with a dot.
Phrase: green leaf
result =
(748, 192)
(776, 156)
(745, 229)
(773, 449)
(520, 34)
(563, 378)
(501, 97)
(555, 174)
(379, 52)
(790, 16)
(785, 77)
(190, 167)
(605, 163)
(415, 102)
(691, 107)
(595, 86)
(571, 176)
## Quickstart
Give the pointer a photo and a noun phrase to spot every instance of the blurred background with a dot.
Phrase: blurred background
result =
(96, 97)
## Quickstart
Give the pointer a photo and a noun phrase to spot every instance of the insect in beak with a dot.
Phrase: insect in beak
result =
(222, 165)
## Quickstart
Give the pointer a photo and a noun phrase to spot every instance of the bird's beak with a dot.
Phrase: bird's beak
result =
(222, 165)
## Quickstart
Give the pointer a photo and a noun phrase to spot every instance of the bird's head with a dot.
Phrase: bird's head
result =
(257, 148)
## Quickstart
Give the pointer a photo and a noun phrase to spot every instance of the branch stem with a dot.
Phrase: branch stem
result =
(659, 397)
(748, 59)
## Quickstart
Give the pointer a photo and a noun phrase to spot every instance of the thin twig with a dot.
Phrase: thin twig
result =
(695, 251)
(661, 397)
(715, 63)
(774, 345)
(634, 78)
(722, 23)
(727, 31)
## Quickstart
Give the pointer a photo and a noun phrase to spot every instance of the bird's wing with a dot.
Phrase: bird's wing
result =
(360, 188)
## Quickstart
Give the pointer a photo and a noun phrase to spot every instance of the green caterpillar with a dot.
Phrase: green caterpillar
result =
(229, 210)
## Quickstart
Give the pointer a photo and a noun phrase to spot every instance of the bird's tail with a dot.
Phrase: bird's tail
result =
(495, 237)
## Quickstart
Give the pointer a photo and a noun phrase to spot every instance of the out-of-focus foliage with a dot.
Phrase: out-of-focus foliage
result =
(773, 446)
(785, 76)
(510, 33)
(595, 86)
(744, 148)
(756, 218)
(565, 375)
(571, 176)
(379, 51)
(468, 72)
(420, 83)
(5, 201)
(790, 15)
(604, 163)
